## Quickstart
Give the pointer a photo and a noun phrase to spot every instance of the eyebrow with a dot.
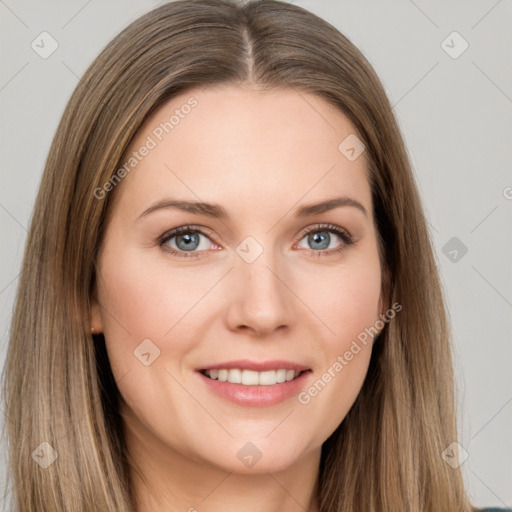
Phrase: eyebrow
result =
(218, 212)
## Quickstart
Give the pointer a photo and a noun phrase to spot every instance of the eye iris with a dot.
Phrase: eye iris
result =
(190, 239)
(321, 237)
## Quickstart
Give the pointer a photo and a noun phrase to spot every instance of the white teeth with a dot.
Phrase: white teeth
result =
(267, 378)
(249, 378)
(280, 376)
(235, 376)
(252, 378)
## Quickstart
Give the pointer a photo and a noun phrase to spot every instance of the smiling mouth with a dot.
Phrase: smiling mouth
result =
(251, 377)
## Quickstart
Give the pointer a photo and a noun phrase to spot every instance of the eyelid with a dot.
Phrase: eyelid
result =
(185, 229)
(343, 233)
(188, 228)
(327, 227)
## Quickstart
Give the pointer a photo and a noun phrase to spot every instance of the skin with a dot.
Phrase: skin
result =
(260, 155)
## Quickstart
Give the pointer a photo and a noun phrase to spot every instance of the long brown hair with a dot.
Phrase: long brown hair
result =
(57, 383)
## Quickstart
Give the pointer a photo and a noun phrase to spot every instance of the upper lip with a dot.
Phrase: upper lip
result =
(257, 366)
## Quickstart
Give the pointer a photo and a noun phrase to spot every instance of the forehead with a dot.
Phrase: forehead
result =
(230, 144)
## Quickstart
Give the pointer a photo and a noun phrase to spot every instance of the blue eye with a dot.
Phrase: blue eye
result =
(185, 241)
(319, 239)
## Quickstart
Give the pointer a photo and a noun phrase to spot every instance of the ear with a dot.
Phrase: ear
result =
(96, 314)
(384, 305)
(384, 299)
(382, 308)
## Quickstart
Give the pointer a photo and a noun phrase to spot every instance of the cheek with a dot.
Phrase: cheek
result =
(144, 302)
(145, 299)
(151, 299)
(348, 306)
(354, 304)
(345, 296)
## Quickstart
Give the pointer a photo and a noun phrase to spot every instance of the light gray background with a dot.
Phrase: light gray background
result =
(455, 114)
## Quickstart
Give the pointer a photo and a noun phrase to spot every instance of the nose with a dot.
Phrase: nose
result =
(260, 298)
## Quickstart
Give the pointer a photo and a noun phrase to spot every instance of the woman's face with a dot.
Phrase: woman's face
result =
(251, 289)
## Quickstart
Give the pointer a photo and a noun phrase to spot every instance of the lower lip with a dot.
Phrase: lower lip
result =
(256, 396)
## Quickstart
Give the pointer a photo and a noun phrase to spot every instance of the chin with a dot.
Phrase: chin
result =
(261, 455)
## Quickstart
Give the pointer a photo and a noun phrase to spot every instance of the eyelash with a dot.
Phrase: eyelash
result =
(344, 235)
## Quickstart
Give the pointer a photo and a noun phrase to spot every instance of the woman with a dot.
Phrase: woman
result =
(228, 295)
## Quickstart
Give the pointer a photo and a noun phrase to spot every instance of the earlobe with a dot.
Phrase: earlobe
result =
(385, 293)
(382, 307)
(96, 322)
(382, 313)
